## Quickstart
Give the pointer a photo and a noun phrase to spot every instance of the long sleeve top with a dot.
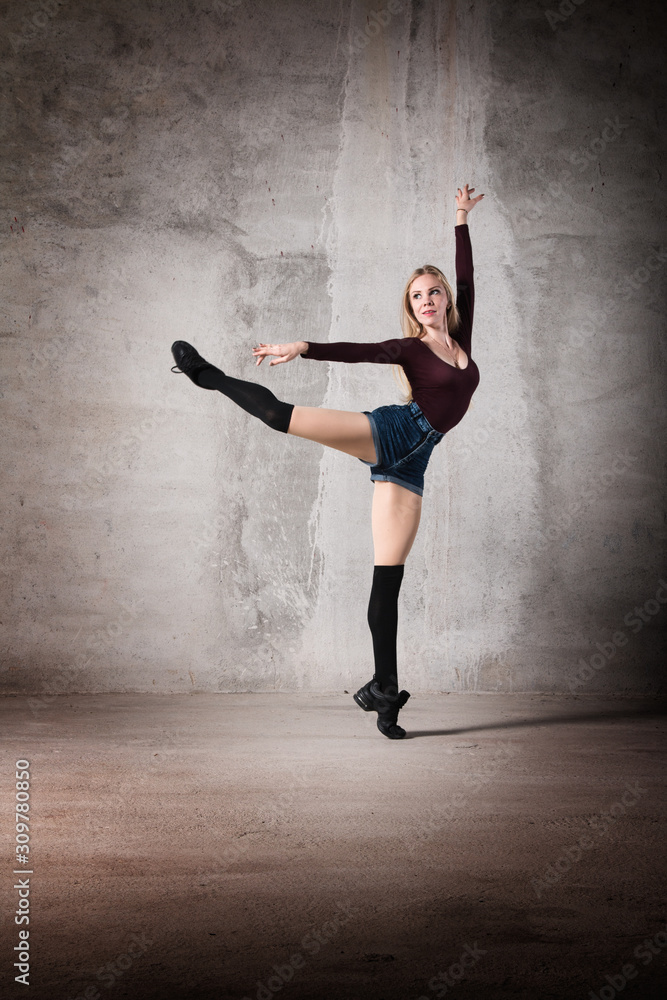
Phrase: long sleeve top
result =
(442, 391)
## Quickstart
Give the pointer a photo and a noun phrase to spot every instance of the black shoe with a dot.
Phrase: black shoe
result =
(390, 706)
(364, 698)
(189, 361)
(387, 704)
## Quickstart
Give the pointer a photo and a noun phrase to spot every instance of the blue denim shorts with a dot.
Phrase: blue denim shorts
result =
(403, 440)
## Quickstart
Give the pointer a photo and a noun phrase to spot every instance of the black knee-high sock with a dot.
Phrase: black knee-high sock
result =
(255, 399)
(383, 623)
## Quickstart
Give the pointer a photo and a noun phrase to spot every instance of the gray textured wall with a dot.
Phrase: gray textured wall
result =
(233, 172)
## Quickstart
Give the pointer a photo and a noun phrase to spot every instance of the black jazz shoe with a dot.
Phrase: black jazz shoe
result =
(189, 361)
(387, 704)
(364, 698)
(388, 709)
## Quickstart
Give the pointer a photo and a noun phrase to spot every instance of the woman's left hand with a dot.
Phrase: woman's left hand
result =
(464, 201)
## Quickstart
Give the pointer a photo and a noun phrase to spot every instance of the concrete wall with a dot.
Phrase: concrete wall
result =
(234, 172)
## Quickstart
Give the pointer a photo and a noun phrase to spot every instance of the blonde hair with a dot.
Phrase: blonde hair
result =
(411, 327)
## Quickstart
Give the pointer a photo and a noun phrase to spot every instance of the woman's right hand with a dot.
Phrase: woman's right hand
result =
(464, 200)
(283, 352)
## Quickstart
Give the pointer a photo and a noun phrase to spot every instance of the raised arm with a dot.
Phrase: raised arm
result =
(465, 286)
(390, 352)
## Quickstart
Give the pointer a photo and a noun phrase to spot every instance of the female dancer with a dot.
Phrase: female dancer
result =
(395, 441)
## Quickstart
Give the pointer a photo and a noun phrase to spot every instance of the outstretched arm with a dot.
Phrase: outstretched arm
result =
(386, 352)
(465, 288)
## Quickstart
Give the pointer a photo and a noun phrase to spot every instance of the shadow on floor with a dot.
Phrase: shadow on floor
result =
(656, 711)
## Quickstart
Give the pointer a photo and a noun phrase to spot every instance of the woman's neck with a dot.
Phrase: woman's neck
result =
(440, 337)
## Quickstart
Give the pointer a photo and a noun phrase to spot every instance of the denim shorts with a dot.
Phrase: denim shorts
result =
(403, 440)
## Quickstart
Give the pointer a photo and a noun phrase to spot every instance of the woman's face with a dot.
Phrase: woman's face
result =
(428, 298)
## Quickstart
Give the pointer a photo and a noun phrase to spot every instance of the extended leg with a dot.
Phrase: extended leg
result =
(252, 397)
(343, 430)
(346, 431)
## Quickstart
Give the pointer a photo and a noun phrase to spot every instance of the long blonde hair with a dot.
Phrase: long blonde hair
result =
(411, 327)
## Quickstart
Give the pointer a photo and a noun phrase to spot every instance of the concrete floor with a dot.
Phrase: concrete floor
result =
(199, 846)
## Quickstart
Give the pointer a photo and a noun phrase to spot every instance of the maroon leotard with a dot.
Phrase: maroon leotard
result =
(441, 391)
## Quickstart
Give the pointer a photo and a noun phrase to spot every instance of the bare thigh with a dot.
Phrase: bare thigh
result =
(395, 519)
(343, 430)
